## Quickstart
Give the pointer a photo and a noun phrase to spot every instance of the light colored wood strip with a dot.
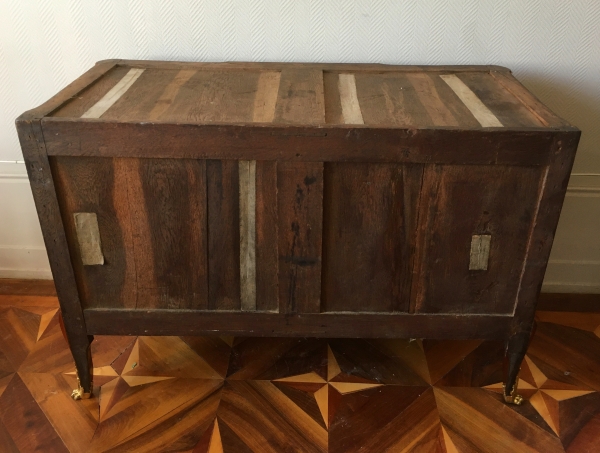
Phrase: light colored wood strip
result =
(168, 95)
(485, 117)
(349, 99)
(430, 98)
(114, 94)
(480, 252)
(265, 99)
(247, 182)
(88, 236)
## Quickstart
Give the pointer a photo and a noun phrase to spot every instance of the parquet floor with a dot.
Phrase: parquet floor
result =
(202, 394)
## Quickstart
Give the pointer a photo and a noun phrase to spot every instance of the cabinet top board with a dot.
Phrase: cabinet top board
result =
(318, 95)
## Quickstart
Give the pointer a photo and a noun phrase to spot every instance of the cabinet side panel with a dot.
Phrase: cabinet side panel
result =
(369, 227)
(223, 235)
(300, 213)
(459, 204)
(95, 185)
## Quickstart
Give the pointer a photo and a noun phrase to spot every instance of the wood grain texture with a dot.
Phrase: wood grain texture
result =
(265, 100)
(459, 202)
(504, 105)
(174, 216)
(113, 95)
(300, 220)
(41, 180)
(376, 325)
(302, 144)
(369, 225)
(349, 99)
(390, 100)
(88, 237)
(300, 99)
(479, 110)
(98, 186)
(247, 203)
(289, 394)
(223, 235)
(267, 231)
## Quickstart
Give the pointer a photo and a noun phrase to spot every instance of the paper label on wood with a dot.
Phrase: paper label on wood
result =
(480, 252)
(88, 236)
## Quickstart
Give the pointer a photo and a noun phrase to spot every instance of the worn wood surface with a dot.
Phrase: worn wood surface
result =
(288, 394)
(459, 202)
(300, 221)
(349, 325)
(300, 200)
(369, 223)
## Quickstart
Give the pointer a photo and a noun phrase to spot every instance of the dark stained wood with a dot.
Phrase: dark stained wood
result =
(376, 325)
(459, 202)
(539, 110)
(267, 255)
(222, 181)
(326, 239)
(291, 143)
(300, 220)
(46, 203)
(506, 107)
(94, 185)
(550, 203)
(369, 223)
(170, 232)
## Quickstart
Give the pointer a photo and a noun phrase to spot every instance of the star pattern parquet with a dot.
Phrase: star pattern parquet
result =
(220, 394)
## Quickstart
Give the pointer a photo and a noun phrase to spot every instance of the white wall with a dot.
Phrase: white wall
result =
(553, 46)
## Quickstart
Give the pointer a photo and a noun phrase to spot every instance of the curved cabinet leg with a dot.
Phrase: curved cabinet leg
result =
(82, 354)
(516, 348)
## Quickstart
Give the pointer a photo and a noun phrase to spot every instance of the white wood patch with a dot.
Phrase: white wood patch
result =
(247, 178)
(481, 113)
(480, 252)
(114, 94)
(88, 237)
(349, 99)
(265, 99)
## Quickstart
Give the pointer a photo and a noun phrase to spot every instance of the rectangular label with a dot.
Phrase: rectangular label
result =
(480, 252)
(88, 236)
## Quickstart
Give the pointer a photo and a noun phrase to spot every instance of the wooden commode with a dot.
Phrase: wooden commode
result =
(323, 200)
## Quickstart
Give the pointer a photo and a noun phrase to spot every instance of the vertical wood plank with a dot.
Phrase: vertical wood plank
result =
(267, 258)
(247, 194)
(368, 236)
(300, 212)
(168, 198)
(333, 104)
(223, 235)
(301, 99)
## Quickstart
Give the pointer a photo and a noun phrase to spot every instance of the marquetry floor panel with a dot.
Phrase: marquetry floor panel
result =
(222, 394)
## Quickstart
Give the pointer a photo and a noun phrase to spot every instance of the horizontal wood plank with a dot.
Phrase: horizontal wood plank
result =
(189, 322)
(292, 143)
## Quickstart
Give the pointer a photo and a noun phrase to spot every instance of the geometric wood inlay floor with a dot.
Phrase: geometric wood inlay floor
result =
(211, 394)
